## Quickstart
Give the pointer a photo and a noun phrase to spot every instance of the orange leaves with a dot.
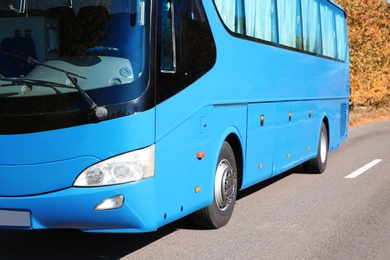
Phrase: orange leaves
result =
(369, 41)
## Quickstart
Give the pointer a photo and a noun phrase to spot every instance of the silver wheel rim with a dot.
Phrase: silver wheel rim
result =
(323, 147)
(225, 185)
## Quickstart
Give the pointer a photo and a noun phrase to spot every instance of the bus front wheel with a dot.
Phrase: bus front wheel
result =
(225, 191)
(318, 164)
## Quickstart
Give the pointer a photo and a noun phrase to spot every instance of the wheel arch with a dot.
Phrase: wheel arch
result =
(325, 120)
(235, 143)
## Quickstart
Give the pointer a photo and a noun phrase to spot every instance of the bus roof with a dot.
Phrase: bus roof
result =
(337, 5)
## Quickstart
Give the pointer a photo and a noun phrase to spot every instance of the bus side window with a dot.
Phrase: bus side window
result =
(227, 12)
(312, 41)
(185, 46)
(328, 29)
(168, 55)
(289, 21)
(342, 41)
(261, 20)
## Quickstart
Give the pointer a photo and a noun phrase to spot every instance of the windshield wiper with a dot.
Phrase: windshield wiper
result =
(100, 111)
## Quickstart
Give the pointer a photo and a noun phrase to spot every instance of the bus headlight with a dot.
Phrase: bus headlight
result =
(128, 167)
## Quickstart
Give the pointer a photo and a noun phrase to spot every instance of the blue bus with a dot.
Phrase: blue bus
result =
(123, 116)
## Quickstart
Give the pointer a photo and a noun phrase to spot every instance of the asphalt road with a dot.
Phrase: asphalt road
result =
(292, 216)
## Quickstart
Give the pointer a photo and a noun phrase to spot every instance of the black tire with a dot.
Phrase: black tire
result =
(318, 164)
(225, 191)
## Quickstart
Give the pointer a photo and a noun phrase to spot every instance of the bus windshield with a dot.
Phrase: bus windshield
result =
(51, 48)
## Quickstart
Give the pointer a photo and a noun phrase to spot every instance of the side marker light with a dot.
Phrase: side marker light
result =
(200, 155)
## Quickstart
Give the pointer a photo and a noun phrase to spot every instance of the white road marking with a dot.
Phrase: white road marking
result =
(363, 169)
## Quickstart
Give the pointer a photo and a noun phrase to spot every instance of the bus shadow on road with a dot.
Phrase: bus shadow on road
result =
(74, 244)
(268, 182)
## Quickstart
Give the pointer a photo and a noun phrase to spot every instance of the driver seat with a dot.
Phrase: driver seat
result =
(92, 24)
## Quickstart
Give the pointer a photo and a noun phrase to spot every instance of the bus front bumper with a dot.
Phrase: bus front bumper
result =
(74, 208)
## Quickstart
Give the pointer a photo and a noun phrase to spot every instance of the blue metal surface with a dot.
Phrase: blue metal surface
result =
(74, 208)
(248, 80)
(49, 161)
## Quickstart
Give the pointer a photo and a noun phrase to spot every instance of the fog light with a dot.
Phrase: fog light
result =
(111, 203)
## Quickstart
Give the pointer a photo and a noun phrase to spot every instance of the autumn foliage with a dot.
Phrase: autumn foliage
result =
(369, 43)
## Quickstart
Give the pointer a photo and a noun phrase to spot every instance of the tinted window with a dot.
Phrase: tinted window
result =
(328, 32)
(289, 21)
(304, 25)
(185, 46)
(342, 40)
(311, 26)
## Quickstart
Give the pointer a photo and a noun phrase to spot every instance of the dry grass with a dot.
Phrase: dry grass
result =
(361, 115)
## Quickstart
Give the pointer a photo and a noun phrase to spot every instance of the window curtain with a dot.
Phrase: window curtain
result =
(227, 11)
(328, 32)
(289, 23)
(342, 40)
(311, 26)
(260, 19)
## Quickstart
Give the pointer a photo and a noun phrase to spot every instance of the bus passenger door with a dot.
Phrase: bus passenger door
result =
(260, 143)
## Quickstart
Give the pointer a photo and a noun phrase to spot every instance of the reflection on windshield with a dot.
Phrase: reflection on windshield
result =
(65, 34)
(69, 63)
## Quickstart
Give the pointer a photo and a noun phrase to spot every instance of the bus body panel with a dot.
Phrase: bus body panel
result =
(284, 78)
(102, 140)
(53, 203)
(260, 143)
(284, 88)
(185, 183)
(34, 179)
(309, 137)
(74, 208)
(288, 130)
(33, 163)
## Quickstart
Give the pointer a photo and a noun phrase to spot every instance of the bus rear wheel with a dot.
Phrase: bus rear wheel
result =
(225, 192)
(318, 164)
